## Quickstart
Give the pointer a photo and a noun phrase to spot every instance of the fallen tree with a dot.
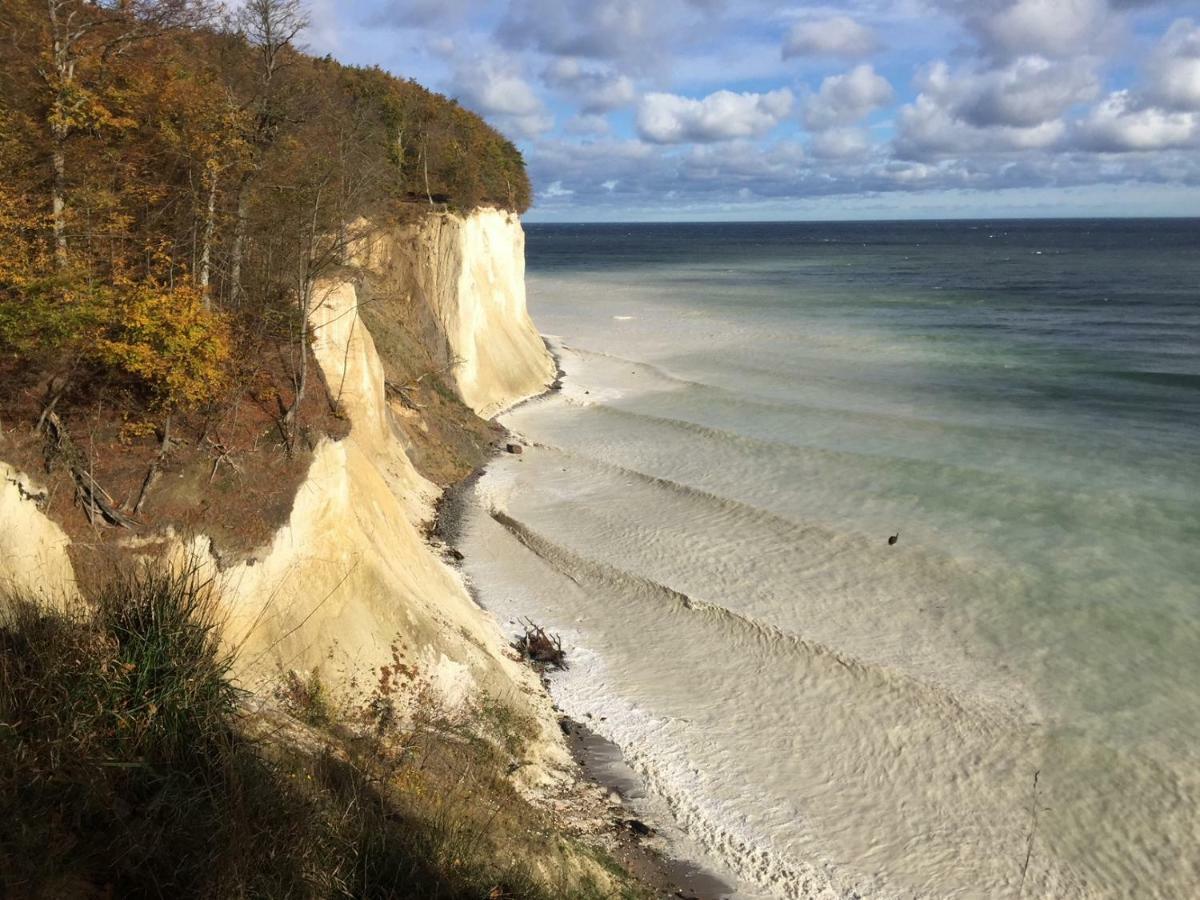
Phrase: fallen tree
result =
(540, 647)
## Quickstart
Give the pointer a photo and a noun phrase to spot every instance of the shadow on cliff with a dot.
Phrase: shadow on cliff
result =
(130, 767)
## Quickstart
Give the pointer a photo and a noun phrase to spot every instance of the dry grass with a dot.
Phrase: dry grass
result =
(127, 769)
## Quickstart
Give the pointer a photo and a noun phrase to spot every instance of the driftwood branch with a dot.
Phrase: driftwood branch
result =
(222, 455)
(402, 391)
(540, 647)
(405, 390)
(153, 472)
(1033, 821)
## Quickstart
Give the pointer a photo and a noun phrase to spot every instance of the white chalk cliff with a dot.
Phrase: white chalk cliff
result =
(350, 580)
(465, 277)
(33, 549)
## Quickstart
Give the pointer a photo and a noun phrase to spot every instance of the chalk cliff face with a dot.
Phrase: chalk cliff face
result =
(33, 549)
(350, 584)
(466, 280)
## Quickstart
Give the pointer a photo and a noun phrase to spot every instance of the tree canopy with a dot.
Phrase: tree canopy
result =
(173, 184)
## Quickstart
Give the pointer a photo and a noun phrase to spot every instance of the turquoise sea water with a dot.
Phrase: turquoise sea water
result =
(749, 412)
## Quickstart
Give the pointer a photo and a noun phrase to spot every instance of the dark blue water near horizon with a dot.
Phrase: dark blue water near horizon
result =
(1115, 299)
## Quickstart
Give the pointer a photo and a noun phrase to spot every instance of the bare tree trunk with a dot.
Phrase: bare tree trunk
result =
(302, 376)
(425, 160)
(300, 385)
(60, 129)
(308, 277)
(58, 201)
(153, 473)
(239, 244)
(210, 220)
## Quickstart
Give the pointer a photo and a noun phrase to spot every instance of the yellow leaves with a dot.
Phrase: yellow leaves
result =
(24, 223)
(75, 107)
(155, 335)
(132, 430)
(164, 337)
(198, 119)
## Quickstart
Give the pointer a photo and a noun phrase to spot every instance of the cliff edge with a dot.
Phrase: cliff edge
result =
(350, 584)
(463, 277)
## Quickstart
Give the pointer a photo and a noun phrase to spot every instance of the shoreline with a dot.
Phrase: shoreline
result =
(607, 787)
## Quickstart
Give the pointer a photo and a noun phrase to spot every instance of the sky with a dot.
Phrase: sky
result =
(851, 109)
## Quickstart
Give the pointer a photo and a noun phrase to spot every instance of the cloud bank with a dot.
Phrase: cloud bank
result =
(712, 107)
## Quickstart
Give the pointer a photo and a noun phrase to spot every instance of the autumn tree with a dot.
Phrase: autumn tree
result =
(78, 38)
(173, 193)
(120, 298)
(270, 27)
(205, 128)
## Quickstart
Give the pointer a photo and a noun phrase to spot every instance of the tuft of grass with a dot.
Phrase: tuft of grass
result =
(307, 698)
(499, 721)
(121, 772)
(128, 769)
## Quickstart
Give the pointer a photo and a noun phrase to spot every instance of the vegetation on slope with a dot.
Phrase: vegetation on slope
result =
(173, 188)
(129, 769)
(174, 185)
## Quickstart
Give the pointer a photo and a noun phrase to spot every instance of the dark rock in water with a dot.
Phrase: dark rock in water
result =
(892, 540)
(514, 448)
(456, 555)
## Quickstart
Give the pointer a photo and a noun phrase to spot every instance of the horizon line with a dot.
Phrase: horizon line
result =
(1001, 218)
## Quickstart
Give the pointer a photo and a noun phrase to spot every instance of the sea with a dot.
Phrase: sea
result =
(1004, 700)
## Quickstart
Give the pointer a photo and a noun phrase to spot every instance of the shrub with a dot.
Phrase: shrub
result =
(165, 337)
(158, 338)
(120, 769)
(124, 773)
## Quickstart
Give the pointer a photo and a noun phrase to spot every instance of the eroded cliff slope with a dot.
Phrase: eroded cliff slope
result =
(350, 584)
(463, 278)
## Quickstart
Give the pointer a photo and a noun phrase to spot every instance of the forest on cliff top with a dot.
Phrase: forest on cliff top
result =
(176, 180)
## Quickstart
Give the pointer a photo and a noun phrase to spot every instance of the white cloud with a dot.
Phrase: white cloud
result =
(1118, 125)
(672, 119)
(596, 90)
(493, 86)
(1046, 26)
(926, 129)
(845, 99)
(840, 143)
(833, 36)
(418, 13)
(589, 124)
(1017, 106)
(742, 168)
(637, 32)
(1174, 68)
(1026, 92)
(1053, 28)
(631, 177)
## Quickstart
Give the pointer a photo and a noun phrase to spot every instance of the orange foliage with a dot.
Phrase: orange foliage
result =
(166, 338)
(154, 188)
